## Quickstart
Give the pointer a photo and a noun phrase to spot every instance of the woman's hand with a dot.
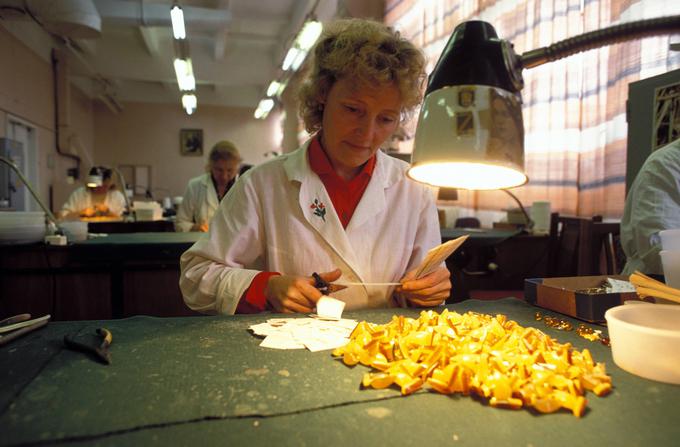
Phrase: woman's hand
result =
(290, 294)
(430, 290)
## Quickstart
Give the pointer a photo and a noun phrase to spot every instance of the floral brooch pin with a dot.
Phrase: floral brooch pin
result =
(319, 209)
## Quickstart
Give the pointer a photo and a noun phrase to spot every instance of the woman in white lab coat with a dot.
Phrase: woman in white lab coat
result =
(337, 205)
(97, 201)
(204, 193)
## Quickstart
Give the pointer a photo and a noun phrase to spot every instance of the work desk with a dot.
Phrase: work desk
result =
(205, 381)
(493, 259)
(114, 276)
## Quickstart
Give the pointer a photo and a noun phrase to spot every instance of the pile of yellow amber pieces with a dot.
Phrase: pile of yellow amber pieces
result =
(493, 357)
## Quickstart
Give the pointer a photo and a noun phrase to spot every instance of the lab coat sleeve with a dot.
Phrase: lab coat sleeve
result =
(116, 202)
(184, 221)
(218, 269)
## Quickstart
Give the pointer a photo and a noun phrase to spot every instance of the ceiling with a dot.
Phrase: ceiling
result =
(236, 46)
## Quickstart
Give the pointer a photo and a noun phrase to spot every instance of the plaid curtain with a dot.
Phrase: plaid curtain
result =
(575, 108)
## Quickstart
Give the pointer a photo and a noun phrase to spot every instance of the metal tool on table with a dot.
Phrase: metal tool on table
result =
(18, 325)
(100, 351)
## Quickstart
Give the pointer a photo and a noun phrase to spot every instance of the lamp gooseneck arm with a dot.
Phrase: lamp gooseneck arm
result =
(125, 196)
(14, 167)
(600, 38)
(530, 223)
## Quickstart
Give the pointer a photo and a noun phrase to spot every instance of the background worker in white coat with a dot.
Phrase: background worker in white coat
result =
(337, 205)
(204, 193)
(95, 201)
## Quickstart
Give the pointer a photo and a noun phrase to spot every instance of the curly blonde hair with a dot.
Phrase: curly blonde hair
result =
(367, 52)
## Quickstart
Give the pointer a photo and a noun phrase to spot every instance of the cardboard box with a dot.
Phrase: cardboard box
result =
(561, 295)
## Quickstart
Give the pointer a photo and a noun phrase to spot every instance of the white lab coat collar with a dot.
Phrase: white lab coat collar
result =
(327, 223)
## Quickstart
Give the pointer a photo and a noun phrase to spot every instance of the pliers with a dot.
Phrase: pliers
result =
(324, 286)
(100, 352)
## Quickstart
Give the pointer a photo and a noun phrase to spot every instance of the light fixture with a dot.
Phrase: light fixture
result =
(304, 41)
(263, 108)
(291, 56)
(470, 133)
(189, 103)
(177, 18)
(273, 88)
(309, 34)
(185, 74)
(95, 177)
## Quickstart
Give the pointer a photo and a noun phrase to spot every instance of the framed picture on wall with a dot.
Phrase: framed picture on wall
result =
(191, 142)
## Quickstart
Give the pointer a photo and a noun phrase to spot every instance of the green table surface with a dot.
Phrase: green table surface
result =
(144, 238)
(205, 381)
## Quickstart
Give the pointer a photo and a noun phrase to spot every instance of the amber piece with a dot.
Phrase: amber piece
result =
(492, 357)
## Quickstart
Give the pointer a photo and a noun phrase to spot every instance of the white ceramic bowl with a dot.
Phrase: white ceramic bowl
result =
(645, 340)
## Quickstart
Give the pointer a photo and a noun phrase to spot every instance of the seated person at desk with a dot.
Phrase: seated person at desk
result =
(337, 205)
(204, 193)
(652, 205)
(95, 201)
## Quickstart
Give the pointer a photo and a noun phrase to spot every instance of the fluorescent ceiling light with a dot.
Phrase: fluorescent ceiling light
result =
(290, 57)
(185, 74)
(263, 108)
(177, 17)
(189, 102)
(307, 37)
(273, 88)
(299, 59)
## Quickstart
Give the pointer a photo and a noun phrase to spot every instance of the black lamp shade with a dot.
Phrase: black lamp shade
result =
(474, 55)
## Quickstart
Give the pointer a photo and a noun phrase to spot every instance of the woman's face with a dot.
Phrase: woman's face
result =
(356, 122)
(224, 171)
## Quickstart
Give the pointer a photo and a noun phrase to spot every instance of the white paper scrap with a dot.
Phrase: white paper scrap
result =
(329, 308)
(315, 334)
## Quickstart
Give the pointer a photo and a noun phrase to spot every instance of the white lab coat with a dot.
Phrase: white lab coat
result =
(81, 198)
(267, 223)
(652, 205)
(198, 205)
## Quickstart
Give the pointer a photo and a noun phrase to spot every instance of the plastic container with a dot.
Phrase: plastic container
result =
(670, 239)
(645, 340)
(670, 260)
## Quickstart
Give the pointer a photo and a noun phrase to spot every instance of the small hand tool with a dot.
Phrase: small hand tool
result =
(18, 325)
(324, 286)
(100, 352)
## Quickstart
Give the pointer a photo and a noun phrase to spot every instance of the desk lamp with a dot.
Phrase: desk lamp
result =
(96, 178)
(52, 219)
(470, 133)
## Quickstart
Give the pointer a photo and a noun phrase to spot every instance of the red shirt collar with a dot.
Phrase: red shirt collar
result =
(321, 165)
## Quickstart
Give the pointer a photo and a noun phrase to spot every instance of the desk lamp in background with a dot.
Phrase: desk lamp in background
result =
(54, 233)
(470, 133)
(95, 178)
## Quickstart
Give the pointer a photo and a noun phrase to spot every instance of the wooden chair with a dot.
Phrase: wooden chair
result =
(606, 255)
(581, 247)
